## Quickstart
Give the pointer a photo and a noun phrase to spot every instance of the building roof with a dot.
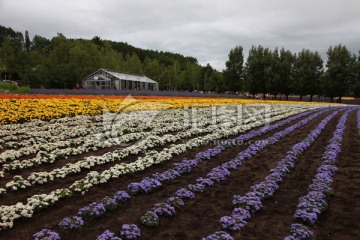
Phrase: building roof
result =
(129, 77)
(118, 75)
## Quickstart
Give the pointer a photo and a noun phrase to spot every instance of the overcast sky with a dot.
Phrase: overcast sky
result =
(205, 29)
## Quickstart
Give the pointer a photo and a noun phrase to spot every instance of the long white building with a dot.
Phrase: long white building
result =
(109, 79)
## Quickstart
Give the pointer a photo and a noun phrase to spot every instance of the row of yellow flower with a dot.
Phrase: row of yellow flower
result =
(18, 110)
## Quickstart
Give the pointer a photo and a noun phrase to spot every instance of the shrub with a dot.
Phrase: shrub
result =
(10, 87)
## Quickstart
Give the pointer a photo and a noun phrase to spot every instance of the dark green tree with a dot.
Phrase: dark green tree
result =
(41, 45)
(153, 69)
(355, 83)
(217, 82)
(57, 69)
(107, 57)
(98, 41)
(188, 77)
(258, 70)
(27, 41)
(8, 59)
(205, 80)
(133, 64)
(286, 63)
(307, 72)
(173, 77)
(273, 81)
(339, 71)
(233, 74)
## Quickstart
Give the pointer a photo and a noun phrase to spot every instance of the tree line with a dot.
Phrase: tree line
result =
(281, 72)
(61, 62)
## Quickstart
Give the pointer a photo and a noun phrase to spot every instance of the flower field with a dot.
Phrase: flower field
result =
(23, 108)
(177, 168)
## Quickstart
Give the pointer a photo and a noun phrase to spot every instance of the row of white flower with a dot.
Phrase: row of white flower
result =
(112, 126)
(43, 177)
(10, 213)
(48, 130)
(47, 140)
(95, 141)
(35, 203)
(41, 140)
(20, 131)
(89, 162)
(49, 152)
(53, 132)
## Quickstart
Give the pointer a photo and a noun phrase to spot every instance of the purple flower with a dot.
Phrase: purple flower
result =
(92, 210)
(184, 193)
(164, 209)
(149, 184)
(198, 187)
(329, 169)
(109, 203)
(220, 235)
(167, 176)
(176, 202)
(145, 186)
(71, 223)
(108, 235)
(290, 238)
(250, 202)
(205, 181)
(135, 188)
(265, 189)
(310, 206)
(309, 217)
(150, 219)
(130, 231)
(207, 154)
(121, 197)
(321, 186)
(274, 176)
(46, 234)
(299, 148)
(241, 212)
(185, 166)
(231, 165)
(299, 232)
(233, 222)
(244, 155)
(218, 174)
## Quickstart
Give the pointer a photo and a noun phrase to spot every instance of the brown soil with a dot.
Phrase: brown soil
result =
(200, 217)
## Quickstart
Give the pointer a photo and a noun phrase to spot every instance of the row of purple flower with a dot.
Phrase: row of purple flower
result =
(216, 175)
(251, 202)
(151, 183)
(314, 202)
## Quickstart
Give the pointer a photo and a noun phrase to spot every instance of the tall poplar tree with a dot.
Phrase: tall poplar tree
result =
(338, 74)
(233, 74)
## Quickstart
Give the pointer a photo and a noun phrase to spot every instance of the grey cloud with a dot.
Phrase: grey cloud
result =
(205, 29)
